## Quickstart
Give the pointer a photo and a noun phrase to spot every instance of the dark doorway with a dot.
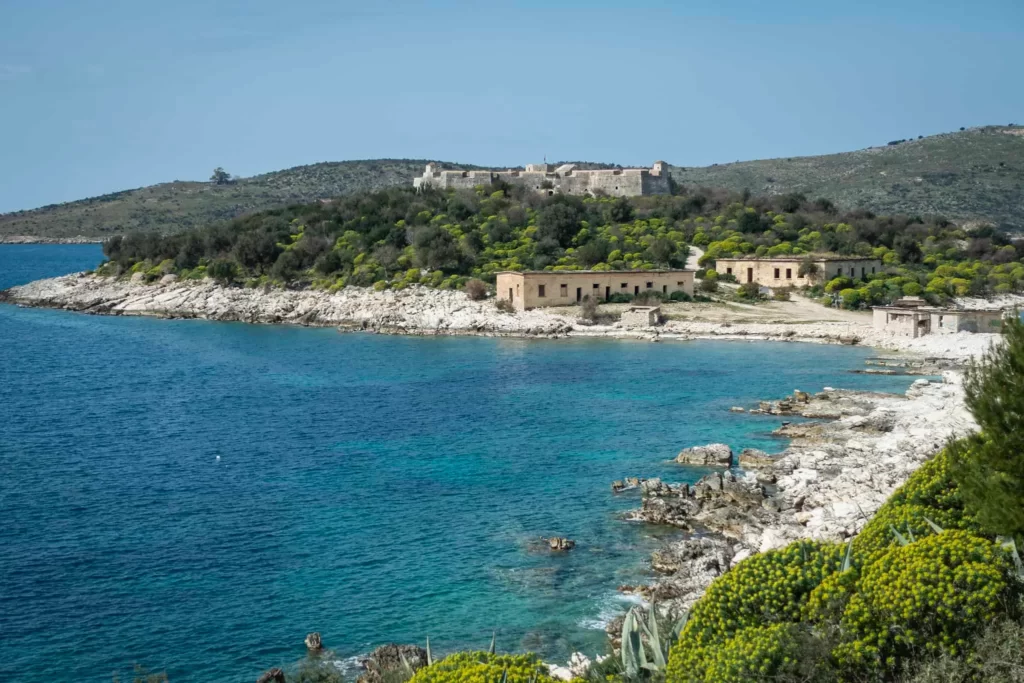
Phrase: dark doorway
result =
(510, 294)
(607, 293)
(636, 290)
(579, 294)
(750, 274)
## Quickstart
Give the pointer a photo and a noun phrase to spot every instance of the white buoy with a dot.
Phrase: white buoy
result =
(218, 457)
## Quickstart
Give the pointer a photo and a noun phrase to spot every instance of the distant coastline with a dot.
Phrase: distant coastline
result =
(425, 311)
(30, 239)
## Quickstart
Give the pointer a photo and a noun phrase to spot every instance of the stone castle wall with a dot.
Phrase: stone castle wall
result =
(627, 182)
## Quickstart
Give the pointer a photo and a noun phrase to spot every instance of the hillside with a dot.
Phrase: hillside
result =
(180, 205)
(977, 174)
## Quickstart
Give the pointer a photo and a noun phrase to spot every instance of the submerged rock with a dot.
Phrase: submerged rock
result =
(713, 454)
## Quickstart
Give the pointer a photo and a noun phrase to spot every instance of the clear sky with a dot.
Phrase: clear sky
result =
(103, 95)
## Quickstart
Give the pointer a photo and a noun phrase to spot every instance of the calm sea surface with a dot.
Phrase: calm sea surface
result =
(197, 496)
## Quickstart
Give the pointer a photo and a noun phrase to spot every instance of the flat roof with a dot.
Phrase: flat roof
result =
(934, 309)
(592, 272)
(801, 257)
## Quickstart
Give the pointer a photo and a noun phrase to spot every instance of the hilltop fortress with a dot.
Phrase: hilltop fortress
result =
(566, 179)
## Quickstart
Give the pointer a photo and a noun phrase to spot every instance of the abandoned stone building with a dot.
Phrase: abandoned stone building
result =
(779, 271)
(911, 316)
(565, 179)
(535, 289)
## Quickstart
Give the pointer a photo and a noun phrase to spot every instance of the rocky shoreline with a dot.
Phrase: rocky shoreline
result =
(836, 472)
(427, 311)
(29, 239)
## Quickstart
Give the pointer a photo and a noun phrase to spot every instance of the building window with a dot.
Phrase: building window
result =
(789, 273)
(679, 284)
(540, 290)
(728, 271)
(596, 286)
(625, 285)
(563, 290)
(776, 273)
(650, 285)
(863, 271)
(851, 272)
(664, 289)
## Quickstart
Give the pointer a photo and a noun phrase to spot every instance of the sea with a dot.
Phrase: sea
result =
(195, 497)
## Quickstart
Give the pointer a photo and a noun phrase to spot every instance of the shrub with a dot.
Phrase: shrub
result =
(851, 298)
(709, 285)
(727, 277)
(679, 295)
(933, 492)
(222, 271)
(482, 667)
(997, 658)
(476, 289)
(504, 305)
(649, 297)
(767, 589)
(990, 465)
(782, 293)
(588, 307)
(620, 298)
(749, 290)
(756, 653)
(929, 596)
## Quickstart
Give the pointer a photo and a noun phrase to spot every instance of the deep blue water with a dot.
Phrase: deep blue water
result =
(198, 496)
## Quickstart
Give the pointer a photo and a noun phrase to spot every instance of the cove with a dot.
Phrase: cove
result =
(197, 496)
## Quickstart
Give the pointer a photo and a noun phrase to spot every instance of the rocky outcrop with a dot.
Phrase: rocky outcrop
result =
(313, 642)
(390, 659)
(416, 310)
(274, 675)
(711, 455)
(560, 543)
(829, 481)
(626, 484)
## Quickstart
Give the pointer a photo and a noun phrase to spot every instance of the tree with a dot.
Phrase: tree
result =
(661, 251)
(220, 177)
(907, 248)
(593, 252)
(621, 211)
(559, 220)
(990, 464)
(223, 271)
(808, 269)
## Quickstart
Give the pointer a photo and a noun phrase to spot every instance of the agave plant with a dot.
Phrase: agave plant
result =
(1010, 546)
(642, 635)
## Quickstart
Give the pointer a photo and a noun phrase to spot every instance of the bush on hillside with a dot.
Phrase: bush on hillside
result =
(679, 295)
(482, 667)
(928, 597)
(476, 289)
(749, 290)
(767, 589)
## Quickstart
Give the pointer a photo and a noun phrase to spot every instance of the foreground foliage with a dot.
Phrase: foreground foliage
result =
(484, 667)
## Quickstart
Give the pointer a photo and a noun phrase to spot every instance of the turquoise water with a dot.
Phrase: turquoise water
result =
(198, 496)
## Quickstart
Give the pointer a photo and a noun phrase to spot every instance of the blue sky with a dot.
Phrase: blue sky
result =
(103, 95)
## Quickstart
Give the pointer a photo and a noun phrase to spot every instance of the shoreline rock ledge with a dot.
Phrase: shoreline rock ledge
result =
(711, 455)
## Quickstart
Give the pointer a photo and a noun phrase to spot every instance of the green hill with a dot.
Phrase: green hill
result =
(972, 175)
(179, 205)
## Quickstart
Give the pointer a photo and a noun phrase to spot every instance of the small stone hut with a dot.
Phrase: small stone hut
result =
(641, 316)
(911, 316)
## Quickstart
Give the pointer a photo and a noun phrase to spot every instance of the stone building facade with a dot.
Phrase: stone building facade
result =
(911, 316)
(534, 289)
(780, 271)
(565, 179)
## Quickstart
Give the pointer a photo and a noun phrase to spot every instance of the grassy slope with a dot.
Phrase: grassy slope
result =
(169, 207)
(957, 175)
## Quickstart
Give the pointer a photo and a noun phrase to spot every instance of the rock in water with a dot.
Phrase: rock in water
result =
(561, 543)
(389, 659)
(313, 642)
(713, 454)
(275, 675)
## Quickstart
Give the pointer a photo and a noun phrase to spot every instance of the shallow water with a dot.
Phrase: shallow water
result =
(198, 496)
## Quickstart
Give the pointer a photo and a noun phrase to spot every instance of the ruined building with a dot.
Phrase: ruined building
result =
(566, 179)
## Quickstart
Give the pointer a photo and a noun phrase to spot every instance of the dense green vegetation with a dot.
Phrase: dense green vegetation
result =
(928, 588)
(396, 238)
(972, 175)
